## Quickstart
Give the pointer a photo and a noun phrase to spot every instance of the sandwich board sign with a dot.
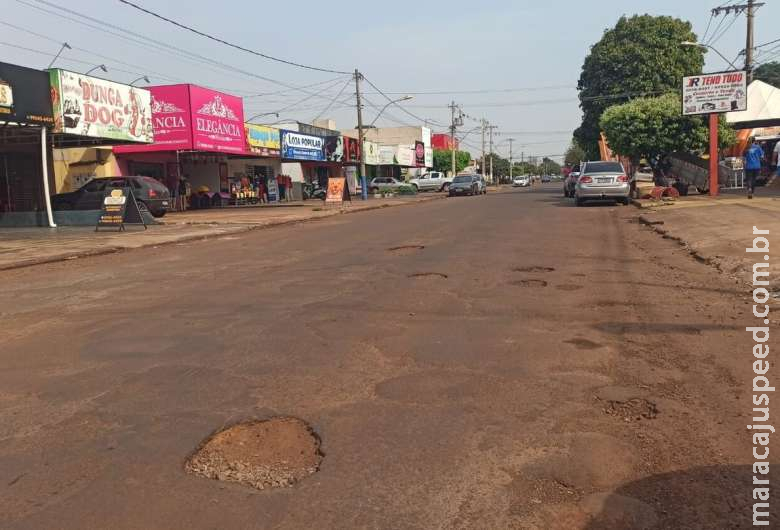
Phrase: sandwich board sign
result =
(337, 191)
(119, 208)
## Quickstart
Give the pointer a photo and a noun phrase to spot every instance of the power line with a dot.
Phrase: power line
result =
(479, 91)
(323, 111)
(222, 41)
(396, 103)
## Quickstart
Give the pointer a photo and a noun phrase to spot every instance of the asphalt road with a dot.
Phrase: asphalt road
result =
(572, 370)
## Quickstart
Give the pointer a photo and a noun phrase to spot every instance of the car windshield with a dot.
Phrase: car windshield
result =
(462, 178)
(603, 167)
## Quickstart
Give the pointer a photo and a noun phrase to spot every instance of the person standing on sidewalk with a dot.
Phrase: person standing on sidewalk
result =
(753, 157)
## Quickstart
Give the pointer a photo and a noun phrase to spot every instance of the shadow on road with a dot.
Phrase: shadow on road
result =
(660, 328)
(699, 498)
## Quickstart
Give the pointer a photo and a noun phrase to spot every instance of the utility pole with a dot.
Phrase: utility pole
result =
(490, 133)
(510, 158)
(750, 10)
(483, 123)
(361, 138)
(455, 122)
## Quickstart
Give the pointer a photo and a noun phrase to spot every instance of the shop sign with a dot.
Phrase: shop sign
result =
(387, 155)
(217, 121)
(24, 95)
(351, 150)
(419, 154)
(429, 157)
(262, 140)
(371, 149)
(405, 155)
(297, 146)
(426, 136)
(96, 108)
(714, 93)
(334, 148)
(171, 120)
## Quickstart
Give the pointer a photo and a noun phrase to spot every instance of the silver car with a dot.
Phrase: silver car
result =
(602, 180)
(384, 182)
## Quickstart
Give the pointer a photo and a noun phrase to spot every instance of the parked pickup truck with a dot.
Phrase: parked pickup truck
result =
(434, 180)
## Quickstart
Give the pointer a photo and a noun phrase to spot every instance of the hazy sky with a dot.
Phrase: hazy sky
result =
(526, 55)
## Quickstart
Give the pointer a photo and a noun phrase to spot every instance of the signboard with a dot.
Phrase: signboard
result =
(337, 191)
(387, 155)
(419, 154)
(217, 121)
(24, 95)
(262, 140)
(96, 108)
(404, 155)
(426, 137)
(351, 150)
(171, 121)
(714, 93)
(297, 146)
(119, 208)
(371, 149)
(273, 190)
(429, 157)
(334, 148)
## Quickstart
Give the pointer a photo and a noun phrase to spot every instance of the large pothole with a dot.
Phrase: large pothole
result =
(273, 453)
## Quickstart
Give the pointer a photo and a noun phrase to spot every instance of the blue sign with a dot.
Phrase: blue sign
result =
(297, 146)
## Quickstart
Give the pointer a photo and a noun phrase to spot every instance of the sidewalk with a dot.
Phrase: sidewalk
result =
(23, 247)
(718, 230)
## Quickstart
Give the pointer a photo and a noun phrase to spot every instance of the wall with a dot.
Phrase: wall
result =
(74, 167)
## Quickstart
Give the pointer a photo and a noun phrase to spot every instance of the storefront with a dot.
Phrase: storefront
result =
(310, 152)
(201, 149)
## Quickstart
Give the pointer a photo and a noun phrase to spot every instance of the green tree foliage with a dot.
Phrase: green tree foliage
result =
(768, 73)
(640, 55)
(574, 154)
(442, 160)
(655, 127)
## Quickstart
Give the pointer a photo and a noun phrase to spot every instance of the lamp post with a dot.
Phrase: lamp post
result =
(263, 114)
(142, 78)
(713, 122)
(64, 45)
(100, 66)
(405, 98)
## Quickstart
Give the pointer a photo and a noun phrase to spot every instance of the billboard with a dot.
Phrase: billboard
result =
(334, 148)
(171, 121)
(428, 157)
(217, 121)
(262, 140)
(371, 149)
(419, 154)
(714, 93)
(405, 155)
(297, 146)
(24, 95)
(387, 155)
(87, 106)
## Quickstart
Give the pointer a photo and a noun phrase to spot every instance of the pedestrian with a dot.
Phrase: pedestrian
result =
(753, 157)
(776, 158)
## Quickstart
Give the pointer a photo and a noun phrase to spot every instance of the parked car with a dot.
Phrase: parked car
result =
(521, 181)
(464, 185)
(546, 178)
(481, 184)
(602, 180)
(150, 194)
(433, 181)
(384, 182)
(570, 181)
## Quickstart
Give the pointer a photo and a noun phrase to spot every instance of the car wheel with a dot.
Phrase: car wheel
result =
(159, 213)
(416, 188)
(445, 188)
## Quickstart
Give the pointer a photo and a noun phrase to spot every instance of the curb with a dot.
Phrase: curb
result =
(238, 229)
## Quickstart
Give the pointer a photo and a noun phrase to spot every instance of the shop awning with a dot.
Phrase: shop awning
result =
(763, 108)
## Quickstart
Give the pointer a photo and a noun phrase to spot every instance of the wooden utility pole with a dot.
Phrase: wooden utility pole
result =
(750, 10)
(361, 138)
(510, 159)
(490, 135)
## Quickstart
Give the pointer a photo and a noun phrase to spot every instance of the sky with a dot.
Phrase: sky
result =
(514, 63)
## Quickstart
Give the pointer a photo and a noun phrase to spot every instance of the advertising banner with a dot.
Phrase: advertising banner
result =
(428, 157)
(371, 149)
(217, 121)
(24, 95)
(337, 191)
(714, 93)
(405, 155)
(96, 108)
(426, 137)
(351, 150)
(419, 154)
(262, 140)
(297, 146)
(334, 148)
(387, 155)
(171, 121)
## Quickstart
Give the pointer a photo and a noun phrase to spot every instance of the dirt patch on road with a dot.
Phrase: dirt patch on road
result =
(406, 249)
(529, 283)
(261, 454)
(635, 409)
(584, 344)
(534, 268)
(569, 287)
(428, 275)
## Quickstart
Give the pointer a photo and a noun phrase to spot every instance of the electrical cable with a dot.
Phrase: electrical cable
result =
(396, 103)
(226, 43)
(334, 99)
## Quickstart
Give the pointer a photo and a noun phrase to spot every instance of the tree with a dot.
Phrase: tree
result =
(442, 160)
(549, 167)
(652, 128)
(574, 154)
(640, 55)
(768, 73)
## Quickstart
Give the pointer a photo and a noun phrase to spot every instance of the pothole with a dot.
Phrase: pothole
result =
(534, 268)
(406, 249)
(273, 453)
(635, 409)
(427, 275)
(584, 344)
(529, 283)
(569, 287)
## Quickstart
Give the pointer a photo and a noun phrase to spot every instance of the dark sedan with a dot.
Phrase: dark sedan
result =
(464, 185)
(150, 194)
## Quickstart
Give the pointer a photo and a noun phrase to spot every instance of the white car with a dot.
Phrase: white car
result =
(521, 181)
(384, 182)
(435, 181)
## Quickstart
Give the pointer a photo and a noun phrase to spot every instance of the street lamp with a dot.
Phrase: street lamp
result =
(64, 45)
(263, 114)
(405, 98)
(708, 47)
(143, 77)
(100, 66)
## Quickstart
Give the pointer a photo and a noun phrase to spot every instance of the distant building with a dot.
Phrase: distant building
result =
(443, 141)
